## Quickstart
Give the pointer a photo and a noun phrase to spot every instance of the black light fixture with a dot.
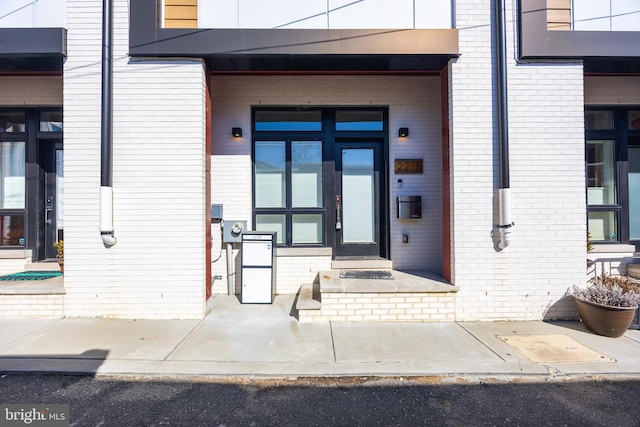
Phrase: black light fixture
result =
(403, 132)
(236, 132)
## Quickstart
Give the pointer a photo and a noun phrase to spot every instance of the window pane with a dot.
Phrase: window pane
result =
(634, 193)
(60, 193)
(307, 228)
(12, 173)
(51, 121)
(288, 120)
(599, 120)
(270, 179)
(12, 122)
(272, 222)
(634, 120)
(358, 196)
(603, 226)
(600, 173)
(358, 120)
(306, 174)
(11, 230)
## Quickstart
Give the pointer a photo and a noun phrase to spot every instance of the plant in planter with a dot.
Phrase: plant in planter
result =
(59, 245)
(607, 304)
(589, 249)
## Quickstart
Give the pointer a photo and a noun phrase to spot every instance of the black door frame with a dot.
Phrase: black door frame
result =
(35, 176)
(48, 230)
(358, 250)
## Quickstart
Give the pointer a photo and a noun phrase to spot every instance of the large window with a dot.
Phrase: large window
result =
(288, 194)
(12, 178)
(314, 14)
(31, 179)
(613, 175)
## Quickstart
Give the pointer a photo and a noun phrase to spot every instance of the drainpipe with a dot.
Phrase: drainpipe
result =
(504, 192)
(106, 132)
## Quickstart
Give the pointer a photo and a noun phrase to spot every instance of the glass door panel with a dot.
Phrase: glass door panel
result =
(358, 195)
(357, 198)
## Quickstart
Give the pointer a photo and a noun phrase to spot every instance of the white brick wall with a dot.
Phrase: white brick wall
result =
(31, 91)
(612, 90)
(547, 253)
(413, 102)
(31, 306)
(383, 307)
(157, 268)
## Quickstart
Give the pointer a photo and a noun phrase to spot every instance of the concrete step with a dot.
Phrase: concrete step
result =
(309, 297)
(42, 266)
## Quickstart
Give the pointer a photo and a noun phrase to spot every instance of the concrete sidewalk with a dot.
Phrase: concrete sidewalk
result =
(267, 341)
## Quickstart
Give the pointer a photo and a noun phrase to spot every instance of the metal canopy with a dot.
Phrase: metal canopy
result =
(32, 49)
(292, 50)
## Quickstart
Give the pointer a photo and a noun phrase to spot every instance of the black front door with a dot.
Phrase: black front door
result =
(52, 197)
(358, 190)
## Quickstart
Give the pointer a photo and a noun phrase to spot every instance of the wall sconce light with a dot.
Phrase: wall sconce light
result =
(403, 132)
(236, 132)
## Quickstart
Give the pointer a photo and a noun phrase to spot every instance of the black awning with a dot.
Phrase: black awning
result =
(32, 49)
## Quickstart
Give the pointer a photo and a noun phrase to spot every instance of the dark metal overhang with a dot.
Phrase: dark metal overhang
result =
(292, 50)
(606, 51)
(32, 49)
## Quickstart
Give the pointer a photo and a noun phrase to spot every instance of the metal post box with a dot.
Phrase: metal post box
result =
(409, 207)
(258, 267)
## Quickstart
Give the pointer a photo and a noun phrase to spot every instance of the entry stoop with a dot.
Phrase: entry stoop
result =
(33, 298)
(354, 295)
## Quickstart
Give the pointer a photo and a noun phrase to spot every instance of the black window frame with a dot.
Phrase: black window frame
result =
(621, 135)
(33, 137)
(288, 210)
(328, 135)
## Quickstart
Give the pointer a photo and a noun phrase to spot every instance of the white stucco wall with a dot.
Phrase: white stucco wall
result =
(413, 101)
(157, 267)
(547, 254)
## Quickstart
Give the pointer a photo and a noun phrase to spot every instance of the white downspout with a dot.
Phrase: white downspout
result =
(106, 216)
(106, 135)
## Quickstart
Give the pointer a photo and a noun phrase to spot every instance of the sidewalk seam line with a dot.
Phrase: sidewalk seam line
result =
(480, 341)
(182, 340)
(333, 343)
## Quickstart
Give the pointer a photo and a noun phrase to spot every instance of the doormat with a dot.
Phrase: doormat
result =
(32, 275)
(553, 348)
(366, 274)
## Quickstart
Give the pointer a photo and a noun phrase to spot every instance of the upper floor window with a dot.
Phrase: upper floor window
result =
(313, 14)
(606, 15)
(593, 15)
(33, 14)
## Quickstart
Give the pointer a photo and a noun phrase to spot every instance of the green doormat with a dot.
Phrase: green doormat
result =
(32, 275)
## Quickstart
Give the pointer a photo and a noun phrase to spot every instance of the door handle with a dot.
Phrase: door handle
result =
(338, 211)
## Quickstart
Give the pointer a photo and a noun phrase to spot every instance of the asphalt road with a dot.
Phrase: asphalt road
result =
(329, 401)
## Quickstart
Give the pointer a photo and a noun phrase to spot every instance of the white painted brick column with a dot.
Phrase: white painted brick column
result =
(157, 268)
(547, 255)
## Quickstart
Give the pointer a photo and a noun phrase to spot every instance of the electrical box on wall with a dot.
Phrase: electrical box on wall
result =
(216, 212)
(232, 231)
(409, 207)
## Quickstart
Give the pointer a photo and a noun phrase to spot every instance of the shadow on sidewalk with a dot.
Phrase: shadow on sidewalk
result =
(86, 363)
